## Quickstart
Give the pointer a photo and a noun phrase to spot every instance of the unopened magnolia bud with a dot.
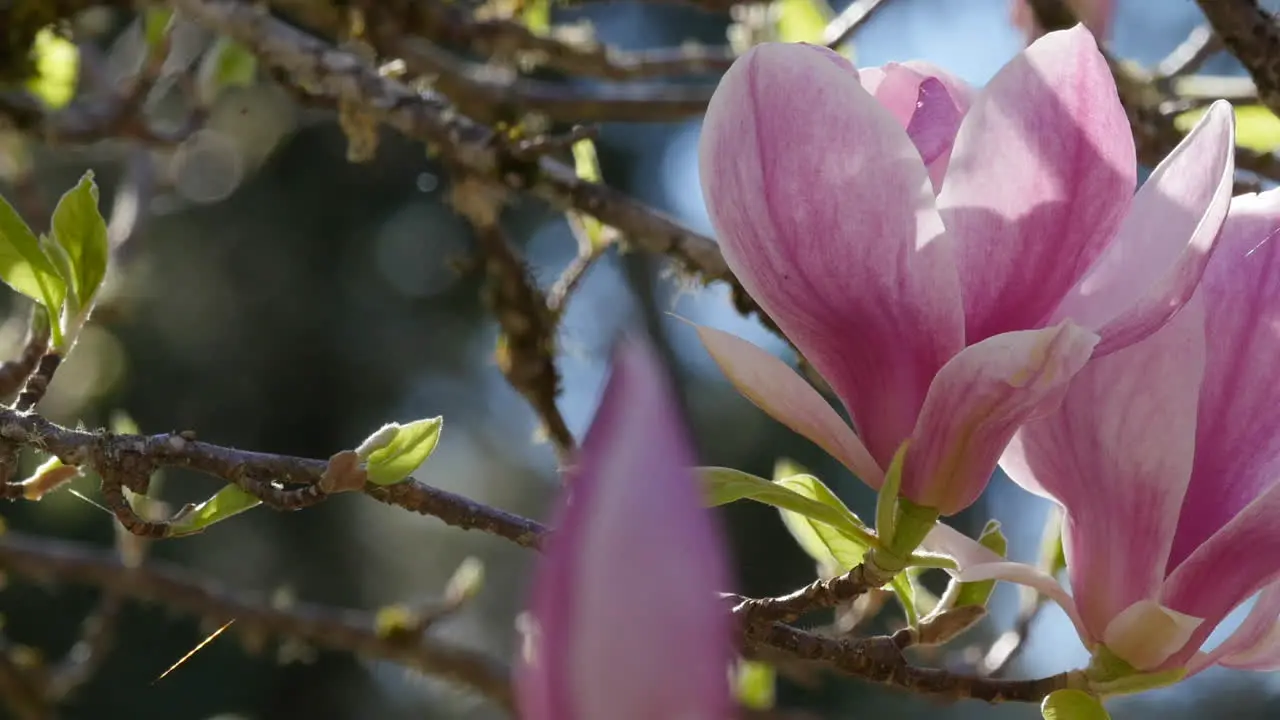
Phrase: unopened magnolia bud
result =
(47, 478)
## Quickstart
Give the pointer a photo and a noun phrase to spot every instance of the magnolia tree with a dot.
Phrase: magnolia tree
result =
(974, 274)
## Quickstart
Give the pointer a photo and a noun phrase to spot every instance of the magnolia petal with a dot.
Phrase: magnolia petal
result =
(825, 213)
(1041, 175)
(1145, 634)
(1238, 441)
(1117, 455)
(977, 563)
(926, 100)
(626, 609)
(786, 397)
(1161, 249)
(966, 551)
(978, 401)
(1234, 563)
(1255, 645)
(1038, 580)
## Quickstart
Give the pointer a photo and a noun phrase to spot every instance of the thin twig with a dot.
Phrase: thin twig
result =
(136, 456)
(1252, 35)
(1200, 45)
(339, 629)
(839, 30)
(819, 594)
(880, 660)
(527, 356)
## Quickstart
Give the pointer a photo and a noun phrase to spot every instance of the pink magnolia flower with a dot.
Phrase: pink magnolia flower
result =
(626, 618)
(1166, 459)
(1095, 14)
(947, 266)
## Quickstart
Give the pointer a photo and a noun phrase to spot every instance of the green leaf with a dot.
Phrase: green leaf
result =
(1257, 128)
(977, 593)
(887, 500)
(1052, 558)
(536, 15)
(80, 230)
(906, 594)
(586, 165)
(156, 22)
(1072, 705)
(725, 485)
(756, 685)
(227, 64)
(408, 447)
(122, 423)
(25, 267)
(802, 20)
(228, 501)
(57, 62)
(821, 541)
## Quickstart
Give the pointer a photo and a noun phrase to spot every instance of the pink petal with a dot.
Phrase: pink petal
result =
(786, 397)
(1238, 442)
(1161, 250)
(1237, 561)
(626, 596)
(825, 213)
(977, 563)
(976, 404)
(1255, 645)
(1041, 174)
(1117, 456)
(926, 100)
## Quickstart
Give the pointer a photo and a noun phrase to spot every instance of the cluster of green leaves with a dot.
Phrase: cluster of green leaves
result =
(63, 270)
(837, 539)
(824, 527)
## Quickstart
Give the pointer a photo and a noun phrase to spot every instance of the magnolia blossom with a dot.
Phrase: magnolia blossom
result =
(626, 620)
(1166, 459)
(1095, 14)
(946, 259)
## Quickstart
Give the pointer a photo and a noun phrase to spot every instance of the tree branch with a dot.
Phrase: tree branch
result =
(1251, 34)
(351, 631)
(880, 659)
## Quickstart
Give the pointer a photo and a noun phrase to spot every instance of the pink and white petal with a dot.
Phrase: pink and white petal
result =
(1041, 175)
(966, 551)
(897, 86)
(1255, 645)
(978, 401)
(1164, 244)
(926, 100)
(1240, 559)
(1043, 583)
(933, 128)
(1238, 441)
(1117, 455)
(961, 92)
(825, 212)
(786, 397)
(635, 628)
(1146, 634)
